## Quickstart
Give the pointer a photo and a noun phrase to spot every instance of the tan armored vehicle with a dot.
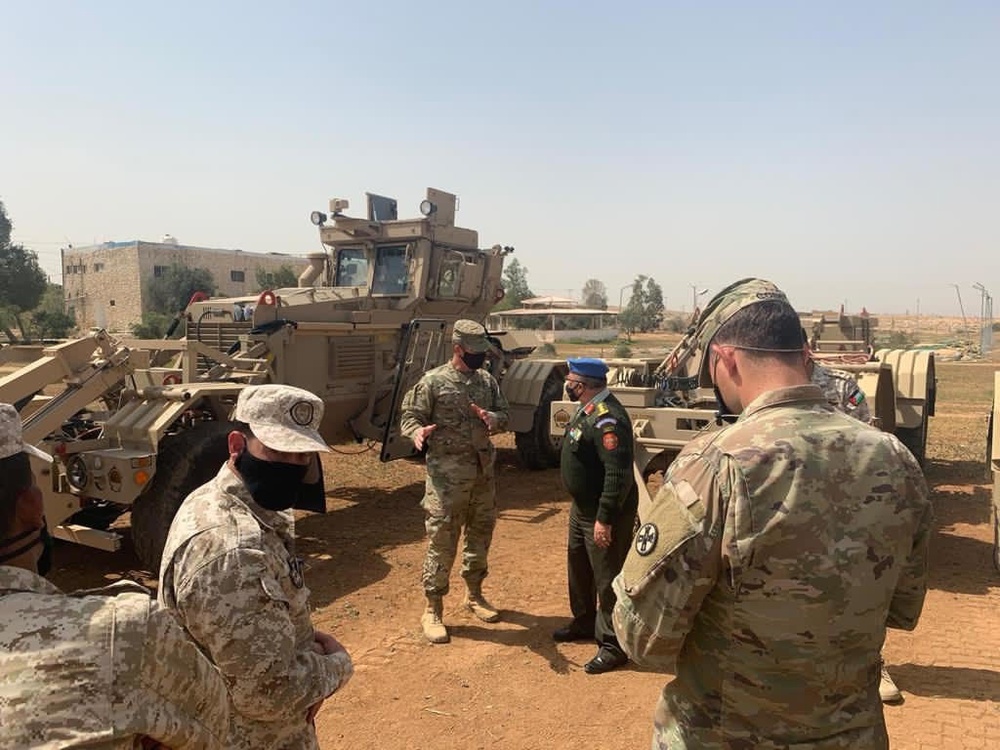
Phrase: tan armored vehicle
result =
(668, 409)
(136, 425)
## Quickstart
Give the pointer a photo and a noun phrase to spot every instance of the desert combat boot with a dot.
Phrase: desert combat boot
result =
(887, 689)
(478, 605)
(431, 622)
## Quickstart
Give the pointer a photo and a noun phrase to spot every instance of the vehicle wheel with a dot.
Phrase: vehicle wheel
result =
(185, 461)
(537, 448)
(915, 438)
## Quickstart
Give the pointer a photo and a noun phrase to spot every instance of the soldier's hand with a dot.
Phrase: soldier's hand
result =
(602, 534)
(312, 711)
(483, 415)
(327, 643)
(421, 435)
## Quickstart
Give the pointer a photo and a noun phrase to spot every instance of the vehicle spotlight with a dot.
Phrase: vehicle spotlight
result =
(427, 208)
(318, 218)
(77, 473)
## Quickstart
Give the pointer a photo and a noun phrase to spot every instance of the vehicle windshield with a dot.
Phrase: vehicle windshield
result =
(352, 267)
(390, 270)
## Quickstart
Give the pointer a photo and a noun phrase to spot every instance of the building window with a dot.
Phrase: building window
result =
(111, 303)
(239, 276)
(98, 267)
(158, 271)
(70, 269)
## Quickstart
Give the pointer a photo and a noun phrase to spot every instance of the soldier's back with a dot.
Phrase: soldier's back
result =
(823, 512)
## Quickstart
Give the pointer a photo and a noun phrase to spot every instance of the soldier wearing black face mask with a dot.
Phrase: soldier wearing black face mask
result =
(232, 576)
(133, 675)
(452, 410)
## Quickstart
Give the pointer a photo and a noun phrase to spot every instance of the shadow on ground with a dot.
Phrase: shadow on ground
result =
(962, 683)
(345, 548)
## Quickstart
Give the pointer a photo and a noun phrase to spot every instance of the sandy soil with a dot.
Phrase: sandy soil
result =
(509, 686)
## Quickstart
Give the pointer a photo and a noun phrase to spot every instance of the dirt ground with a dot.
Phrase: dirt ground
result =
(508, 685)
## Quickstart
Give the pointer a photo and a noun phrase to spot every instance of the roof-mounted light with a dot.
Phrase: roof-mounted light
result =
(427, 208)
(318, 218)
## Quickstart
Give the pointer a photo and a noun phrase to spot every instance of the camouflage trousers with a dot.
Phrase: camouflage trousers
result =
(454, 501)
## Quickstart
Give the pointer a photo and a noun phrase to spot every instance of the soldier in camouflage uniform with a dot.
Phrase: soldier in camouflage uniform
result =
(841, 390)
(231, 574)
(775, 554)
(452, 410)
(107, 668)
(596, 466)
(845, 395)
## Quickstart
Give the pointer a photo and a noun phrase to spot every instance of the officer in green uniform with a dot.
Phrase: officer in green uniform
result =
(596, 465)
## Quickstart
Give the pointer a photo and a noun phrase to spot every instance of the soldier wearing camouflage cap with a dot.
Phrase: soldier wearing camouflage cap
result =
(776, 553)
(451, 411)
(231, 574)
(108, 668)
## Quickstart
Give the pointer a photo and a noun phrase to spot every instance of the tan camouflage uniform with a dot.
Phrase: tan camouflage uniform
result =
(460, 490)
(100, 669)
(763, 574)
(842, 392)
(230, 571)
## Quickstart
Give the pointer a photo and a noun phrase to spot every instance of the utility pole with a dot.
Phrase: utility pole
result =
(695, 294)
(985, 318)
(965, 326)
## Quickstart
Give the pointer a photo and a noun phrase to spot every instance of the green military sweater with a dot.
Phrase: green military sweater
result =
(596, 460)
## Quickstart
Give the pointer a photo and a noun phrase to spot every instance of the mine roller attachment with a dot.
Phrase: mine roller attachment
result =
(185, 461)
(914, 379)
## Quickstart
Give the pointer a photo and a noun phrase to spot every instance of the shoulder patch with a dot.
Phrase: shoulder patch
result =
(856, 397)
(602, 408)
(610, 441)
(606, 422)
(674, 518)
(646, 538)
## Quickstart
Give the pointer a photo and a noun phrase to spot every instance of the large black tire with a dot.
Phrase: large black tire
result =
(915, 438)
(184, 462)
(537, 448)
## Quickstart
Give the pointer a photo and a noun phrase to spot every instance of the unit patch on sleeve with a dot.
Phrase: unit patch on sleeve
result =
(610, 441)
(606, 422)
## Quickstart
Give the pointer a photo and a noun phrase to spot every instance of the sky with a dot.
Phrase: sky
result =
(847, 151)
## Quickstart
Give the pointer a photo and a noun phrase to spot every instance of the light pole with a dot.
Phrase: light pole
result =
(695, 294)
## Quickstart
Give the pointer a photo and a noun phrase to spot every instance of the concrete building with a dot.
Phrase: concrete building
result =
(106, 285)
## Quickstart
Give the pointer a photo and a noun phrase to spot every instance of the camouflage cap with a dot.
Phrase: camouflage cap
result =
(282, 417)
(12, 437)
(722, 307)
(471, 336)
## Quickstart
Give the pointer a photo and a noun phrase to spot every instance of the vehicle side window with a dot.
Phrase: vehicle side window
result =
(352, 267)
(390, 270)
(448, 278)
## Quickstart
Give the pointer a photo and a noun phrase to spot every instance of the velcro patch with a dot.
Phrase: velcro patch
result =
(610, 441)
(676, 516)
(856, 398)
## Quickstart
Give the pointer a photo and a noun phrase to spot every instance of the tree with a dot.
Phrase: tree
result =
(49, 320)
(644, 311)
(515, 284)
(283, 278)
(22, 280)
(595, 294)
(171, 291)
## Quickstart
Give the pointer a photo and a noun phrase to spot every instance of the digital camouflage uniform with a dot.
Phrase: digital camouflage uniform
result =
(765, 574)
(842, 392)
(460, 490)
(596, 466)
(231, 574)
(100, 669)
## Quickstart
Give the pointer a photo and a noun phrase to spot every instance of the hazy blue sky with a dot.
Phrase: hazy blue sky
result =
(848, 151)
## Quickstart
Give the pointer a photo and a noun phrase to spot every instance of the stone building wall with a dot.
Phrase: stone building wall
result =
(105, 285)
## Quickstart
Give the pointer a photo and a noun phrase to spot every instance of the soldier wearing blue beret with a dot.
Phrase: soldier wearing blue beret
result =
(596, 464)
